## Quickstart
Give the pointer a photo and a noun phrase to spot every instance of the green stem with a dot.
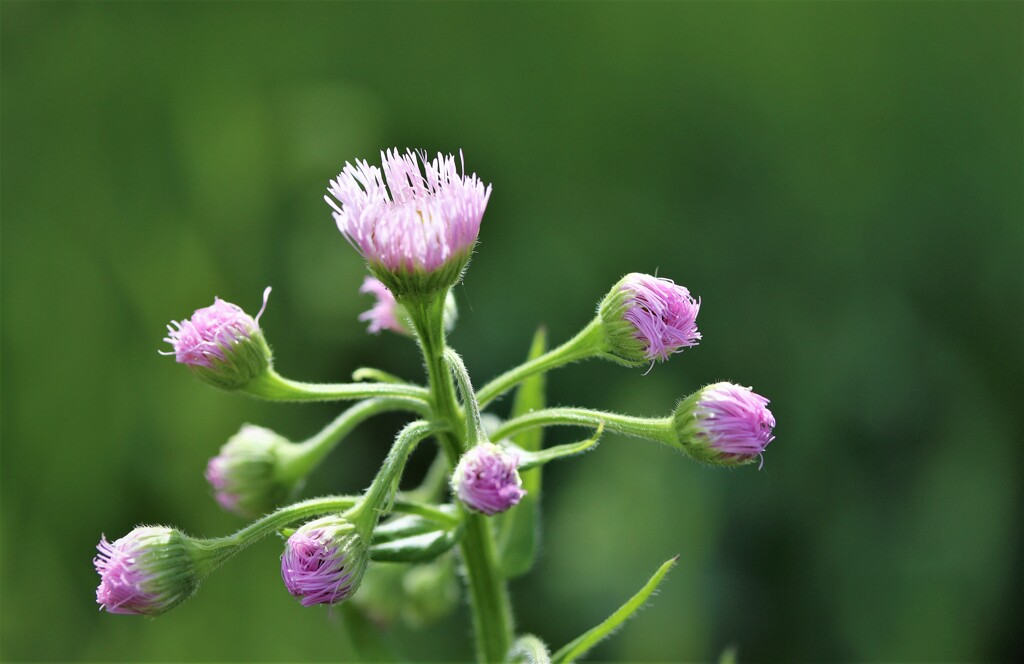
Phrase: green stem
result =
(489, 600)
(273, 387)
(588, 343)
(474, 428)
(658, 429)
(298, 460)
(377, 500)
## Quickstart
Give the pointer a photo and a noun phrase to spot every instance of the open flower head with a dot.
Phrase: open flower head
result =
(724, 424)
(487, 479)
(324, 561)
(246, 475)
(648, 318)
(221, 343)
(414, 220)
(147, 572)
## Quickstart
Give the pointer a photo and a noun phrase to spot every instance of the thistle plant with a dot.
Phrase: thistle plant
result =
(415, 221)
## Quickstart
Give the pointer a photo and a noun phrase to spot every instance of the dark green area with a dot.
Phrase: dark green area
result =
(841, 183)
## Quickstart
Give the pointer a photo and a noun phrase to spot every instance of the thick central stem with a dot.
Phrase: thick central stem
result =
(489, 600)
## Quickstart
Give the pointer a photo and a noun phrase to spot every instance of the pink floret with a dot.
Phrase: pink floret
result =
(411, 214)
(735, 420)
(664, 315)
(383, 315)
(487, 480)
(212, 330)
(122, 582)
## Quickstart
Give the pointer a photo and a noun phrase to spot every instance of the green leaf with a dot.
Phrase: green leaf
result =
(528, 460)
(579, 646)
(416, 548)
(517, 530)
(528, 649)
(728, 656)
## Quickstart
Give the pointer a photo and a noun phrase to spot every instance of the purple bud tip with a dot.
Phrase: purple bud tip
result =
(487, 480)
(664, 314)
(734, 420)
(217, 475)
(212, 330)
(146, 572)
(321, 563)
(122, 583)
(412, 214)
(384, 314)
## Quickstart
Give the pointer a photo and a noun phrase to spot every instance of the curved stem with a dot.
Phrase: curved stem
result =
(315, 507)
(298, 460)
(588, 343)
(273, 387)
(658, 429)
(378, 498)
(474, 429)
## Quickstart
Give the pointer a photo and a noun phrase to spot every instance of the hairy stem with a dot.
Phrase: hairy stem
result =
(489, 600)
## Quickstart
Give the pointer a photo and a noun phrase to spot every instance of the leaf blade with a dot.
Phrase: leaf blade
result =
(581, 644)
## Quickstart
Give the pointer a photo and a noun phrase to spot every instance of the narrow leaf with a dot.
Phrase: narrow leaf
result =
(528, 460)
(528, 649)
(579, 646)
(416, 548)
(401, 527)
(518, 529)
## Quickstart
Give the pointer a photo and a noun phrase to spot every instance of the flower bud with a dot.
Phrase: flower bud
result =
(388, 314)
(647, 318)
(147, 572)
(222, 344)
(487, 480)
(246, 476)
(324, 561)
(414, 221)
(724, 424)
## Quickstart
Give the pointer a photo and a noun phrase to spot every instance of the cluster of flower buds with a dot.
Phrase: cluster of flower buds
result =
(415, 221)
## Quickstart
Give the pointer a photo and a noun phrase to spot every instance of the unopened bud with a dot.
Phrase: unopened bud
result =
(487, 479)
(647, 318)
(724, 424)
(324, 561)
(222, 344)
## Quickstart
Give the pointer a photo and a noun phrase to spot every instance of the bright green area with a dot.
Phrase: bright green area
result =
(840, 182)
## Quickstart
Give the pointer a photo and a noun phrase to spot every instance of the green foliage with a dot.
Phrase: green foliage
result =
(579, 646)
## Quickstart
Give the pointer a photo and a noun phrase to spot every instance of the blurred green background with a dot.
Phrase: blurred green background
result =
(841, 184)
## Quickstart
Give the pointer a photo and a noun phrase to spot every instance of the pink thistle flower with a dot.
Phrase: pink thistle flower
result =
(384, 315)
(648, 318)
(323, 561)
(246, 475)
(414, 221)
(725, 424)
(221, 343)
(487, 479)
(146, 572)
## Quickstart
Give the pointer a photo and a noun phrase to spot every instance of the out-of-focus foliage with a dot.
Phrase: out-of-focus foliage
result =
(840, 182)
